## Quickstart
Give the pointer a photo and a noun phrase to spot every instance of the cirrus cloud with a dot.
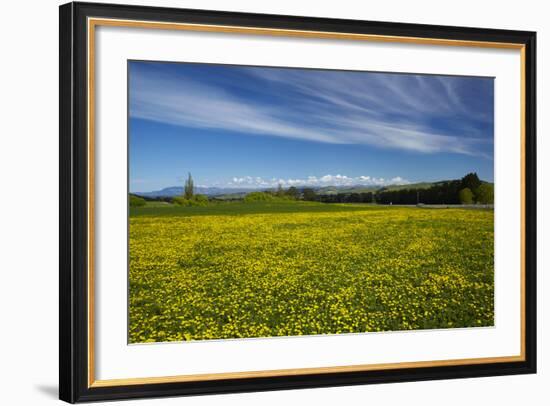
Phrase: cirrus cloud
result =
(420, 113)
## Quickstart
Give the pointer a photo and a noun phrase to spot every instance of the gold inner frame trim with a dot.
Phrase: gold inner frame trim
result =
(94, 22)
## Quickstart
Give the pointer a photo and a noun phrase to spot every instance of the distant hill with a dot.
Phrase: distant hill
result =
(420, 185)
(333, 190)
(236, 193)
(178, 191)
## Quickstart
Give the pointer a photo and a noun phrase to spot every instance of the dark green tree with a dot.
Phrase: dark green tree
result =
(309, 194)
(470, 181)
(188, 190)
(280, 192)
(466, 196)
(485, 193)
(292, 192)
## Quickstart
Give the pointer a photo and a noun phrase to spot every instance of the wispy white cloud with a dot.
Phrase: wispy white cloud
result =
(195, 105)
(382, 110)
(314, 181)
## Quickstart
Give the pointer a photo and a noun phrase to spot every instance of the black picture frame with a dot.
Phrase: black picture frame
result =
(74, 199)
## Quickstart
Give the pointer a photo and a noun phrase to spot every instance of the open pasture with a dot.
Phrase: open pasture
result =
(238, 270)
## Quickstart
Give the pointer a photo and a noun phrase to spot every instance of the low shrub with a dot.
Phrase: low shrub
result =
(136, 201)
(197, 200)
(258, 197)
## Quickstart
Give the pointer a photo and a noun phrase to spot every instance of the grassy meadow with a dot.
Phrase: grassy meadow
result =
(283, 268)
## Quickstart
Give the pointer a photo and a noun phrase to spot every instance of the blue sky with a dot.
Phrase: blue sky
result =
(255, 127)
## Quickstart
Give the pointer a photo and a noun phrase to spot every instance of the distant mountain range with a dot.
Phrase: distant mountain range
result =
(239, 192)
(178, 191)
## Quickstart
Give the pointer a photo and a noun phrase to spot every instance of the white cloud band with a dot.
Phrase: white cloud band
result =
(314, 181)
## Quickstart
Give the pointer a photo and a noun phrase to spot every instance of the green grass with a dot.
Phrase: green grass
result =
(154, 205)
(156, 209)
(296, 268)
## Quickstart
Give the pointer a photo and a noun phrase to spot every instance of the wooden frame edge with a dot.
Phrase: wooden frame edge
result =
(279, 32)
(94, 22)
(302, 371)
(69, 386)
(91, 204)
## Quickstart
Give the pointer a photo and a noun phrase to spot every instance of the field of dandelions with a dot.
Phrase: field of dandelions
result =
(255, 271)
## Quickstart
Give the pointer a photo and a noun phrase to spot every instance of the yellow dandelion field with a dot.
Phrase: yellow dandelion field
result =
(196, 274)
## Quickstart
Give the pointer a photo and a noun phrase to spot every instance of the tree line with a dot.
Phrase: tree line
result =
(468, 190)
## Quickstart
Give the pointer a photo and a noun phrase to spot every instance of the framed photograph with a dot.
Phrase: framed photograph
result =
(257, 202)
